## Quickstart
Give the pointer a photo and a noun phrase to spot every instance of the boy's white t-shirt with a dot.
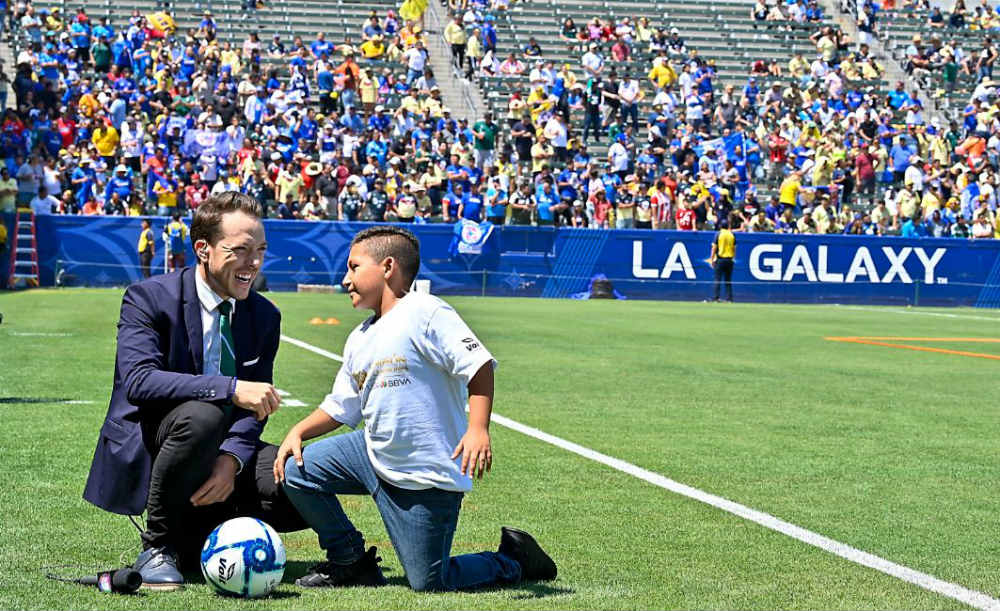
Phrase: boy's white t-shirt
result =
(406, 376)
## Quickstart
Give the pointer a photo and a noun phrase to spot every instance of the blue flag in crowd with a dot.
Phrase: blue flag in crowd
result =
(470, 237)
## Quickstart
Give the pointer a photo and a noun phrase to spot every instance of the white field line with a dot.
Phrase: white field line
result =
(311, 348)
(922, 313)
(954, 591)
(38, 334)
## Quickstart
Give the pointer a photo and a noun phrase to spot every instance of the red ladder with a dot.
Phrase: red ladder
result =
(24, 251)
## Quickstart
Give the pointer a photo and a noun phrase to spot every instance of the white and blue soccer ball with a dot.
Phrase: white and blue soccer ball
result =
(243, 557)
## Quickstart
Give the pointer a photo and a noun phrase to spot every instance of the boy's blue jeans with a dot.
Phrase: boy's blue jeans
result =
(421, 523)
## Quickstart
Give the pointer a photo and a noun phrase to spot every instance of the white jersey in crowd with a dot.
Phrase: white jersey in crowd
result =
(406, 376)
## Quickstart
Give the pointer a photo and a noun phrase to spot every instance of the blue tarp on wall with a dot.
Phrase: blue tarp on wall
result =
(550, 262)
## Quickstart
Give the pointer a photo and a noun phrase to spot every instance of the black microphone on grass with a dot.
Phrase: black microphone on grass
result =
(122, 581)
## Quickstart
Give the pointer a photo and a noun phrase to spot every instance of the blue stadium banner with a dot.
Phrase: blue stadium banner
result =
(547, 262)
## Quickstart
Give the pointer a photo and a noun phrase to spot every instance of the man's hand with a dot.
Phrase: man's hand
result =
(474, 448)
(219, 484)
(291, 446)
(258, 397)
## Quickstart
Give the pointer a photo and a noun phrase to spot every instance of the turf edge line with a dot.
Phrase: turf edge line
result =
(954, 591)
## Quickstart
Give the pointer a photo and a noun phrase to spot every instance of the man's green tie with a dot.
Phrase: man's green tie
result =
(227, 362)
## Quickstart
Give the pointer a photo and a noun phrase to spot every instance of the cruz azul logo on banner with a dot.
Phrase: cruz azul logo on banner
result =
(801, 263)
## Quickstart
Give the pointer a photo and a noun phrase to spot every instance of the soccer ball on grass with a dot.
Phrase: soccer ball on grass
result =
(243, 557)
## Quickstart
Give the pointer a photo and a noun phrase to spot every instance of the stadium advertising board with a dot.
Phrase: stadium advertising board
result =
(546, 262)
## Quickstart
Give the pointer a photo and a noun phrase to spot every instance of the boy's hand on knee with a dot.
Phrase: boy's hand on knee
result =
(291, 446)
(474, 448)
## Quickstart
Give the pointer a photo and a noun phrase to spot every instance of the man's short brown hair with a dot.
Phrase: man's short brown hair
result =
(383, 241)
(208, 215)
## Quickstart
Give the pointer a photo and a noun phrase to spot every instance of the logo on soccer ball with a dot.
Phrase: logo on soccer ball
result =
(226, 570)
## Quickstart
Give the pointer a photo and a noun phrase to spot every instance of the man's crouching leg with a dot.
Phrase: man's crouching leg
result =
(185, 446)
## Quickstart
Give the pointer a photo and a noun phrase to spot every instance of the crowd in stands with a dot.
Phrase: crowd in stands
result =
(127, 118)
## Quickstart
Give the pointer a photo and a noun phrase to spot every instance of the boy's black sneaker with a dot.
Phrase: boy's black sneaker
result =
(536, 565)
(364, 571)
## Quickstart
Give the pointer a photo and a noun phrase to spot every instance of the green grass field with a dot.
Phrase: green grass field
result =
(889, 450)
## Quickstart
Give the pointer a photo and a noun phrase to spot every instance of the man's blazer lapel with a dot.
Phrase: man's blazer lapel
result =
(192, 318)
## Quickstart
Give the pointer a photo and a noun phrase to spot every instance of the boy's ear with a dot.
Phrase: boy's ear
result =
(389, 267)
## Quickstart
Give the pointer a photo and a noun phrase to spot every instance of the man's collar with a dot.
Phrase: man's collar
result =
(208, 298)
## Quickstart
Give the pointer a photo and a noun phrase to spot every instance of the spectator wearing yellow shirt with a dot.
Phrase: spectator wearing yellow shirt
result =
(806, 224)
(662, 73)
(409, 103)
(231, 57)
(166, 190)
(368, 90)
(88, 103)
(432, 103)
(906, 202)
(473, 52)
(789, 190)
(930, 202)
(105, 139)
(541, 154)
(798, 66)
(538, 102)
(721, 259)
(289, 183)
(454, 35)
(373, 48)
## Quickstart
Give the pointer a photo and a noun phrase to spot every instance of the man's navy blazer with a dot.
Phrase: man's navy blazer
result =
(157, 367)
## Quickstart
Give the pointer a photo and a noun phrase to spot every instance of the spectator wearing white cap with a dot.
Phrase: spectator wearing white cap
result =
(914, 175)
(592, 61)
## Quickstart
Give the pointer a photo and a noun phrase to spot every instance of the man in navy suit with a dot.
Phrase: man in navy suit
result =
(192, 391)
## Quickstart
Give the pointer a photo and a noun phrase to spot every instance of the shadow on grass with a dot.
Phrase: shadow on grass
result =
(29, 400)
(298, 568)
(523, 591)
(527, 590)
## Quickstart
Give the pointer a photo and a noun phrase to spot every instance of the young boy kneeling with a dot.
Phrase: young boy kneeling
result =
(405, 372)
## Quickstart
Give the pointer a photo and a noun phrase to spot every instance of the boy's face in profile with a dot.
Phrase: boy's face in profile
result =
(365, 278)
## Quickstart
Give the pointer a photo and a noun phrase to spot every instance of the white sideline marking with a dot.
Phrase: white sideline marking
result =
(311, 348)
(922, 313)
(78, 402)
(923, 580)
(38, 334)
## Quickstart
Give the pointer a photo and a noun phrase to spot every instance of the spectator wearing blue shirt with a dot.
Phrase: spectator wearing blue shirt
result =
(611, 182)
(913, 228)
(379, 121)
(899, 156)
(48, 63)
(80, 34)
(82, 180)
(120, 183)
(453, 202)
(371, 29)
(321, 46)
(547, 202)
(898, 97)
(207, 25)
(472, 205)
(377, 147)
(489, 35)
(117, 110)
(352, 120)
(104, 29)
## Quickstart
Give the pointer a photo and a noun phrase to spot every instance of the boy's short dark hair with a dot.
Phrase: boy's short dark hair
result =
(384, 241)
(208, 215)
